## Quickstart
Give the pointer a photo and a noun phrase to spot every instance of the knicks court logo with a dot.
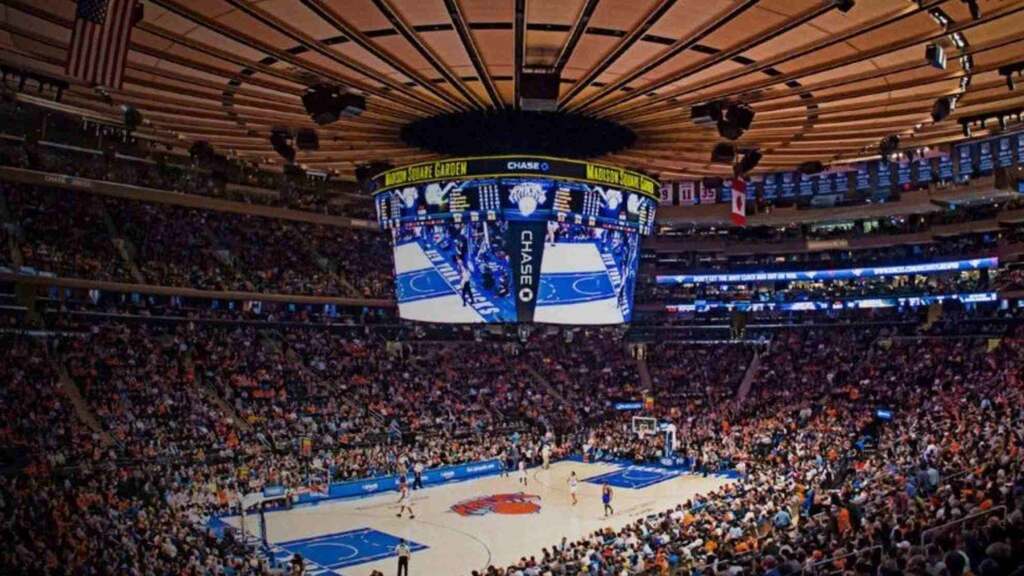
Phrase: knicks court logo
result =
(518, 503)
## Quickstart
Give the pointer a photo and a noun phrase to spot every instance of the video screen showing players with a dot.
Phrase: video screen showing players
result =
(465, 273)
(515, 250)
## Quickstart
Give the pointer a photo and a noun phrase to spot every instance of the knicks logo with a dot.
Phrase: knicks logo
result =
(518, 503)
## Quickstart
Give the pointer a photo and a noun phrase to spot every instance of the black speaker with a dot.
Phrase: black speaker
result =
(749, 162)
(941, 109)
(707, 113)
(307, 139)
(279, 141)
(737, 120)
(132, 117)
(325, 103)
(723, 153)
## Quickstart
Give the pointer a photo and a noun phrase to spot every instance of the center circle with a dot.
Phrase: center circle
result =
(486, 132)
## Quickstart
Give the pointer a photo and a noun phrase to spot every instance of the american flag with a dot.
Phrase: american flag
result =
(99, 42)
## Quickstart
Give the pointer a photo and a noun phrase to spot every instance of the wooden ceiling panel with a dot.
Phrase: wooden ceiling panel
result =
(588, 53)
(686, 16)
(366, 17)
(542, 47)
(621, 15)
(560, 12)
(636, 56)
(487, 10)
(824, 84)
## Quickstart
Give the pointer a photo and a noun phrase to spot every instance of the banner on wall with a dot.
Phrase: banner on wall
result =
(687, 192)
(666, 195)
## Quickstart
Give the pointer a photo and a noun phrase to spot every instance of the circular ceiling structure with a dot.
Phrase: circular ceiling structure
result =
(512, 131)
(826, 80)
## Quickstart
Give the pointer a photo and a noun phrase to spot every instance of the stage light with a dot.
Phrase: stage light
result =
(935, 55)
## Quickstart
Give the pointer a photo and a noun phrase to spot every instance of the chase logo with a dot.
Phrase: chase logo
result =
(527, 196)
(518, 503)
(532, 166)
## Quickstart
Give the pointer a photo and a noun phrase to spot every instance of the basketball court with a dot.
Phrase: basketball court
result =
(469, 525)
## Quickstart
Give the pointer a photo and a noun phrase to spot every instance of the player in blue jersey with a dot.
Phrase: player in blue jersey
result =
(606, 498)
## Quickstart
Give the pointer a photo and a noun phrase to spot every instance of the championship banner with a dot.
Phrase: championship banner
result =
(708, 195)
(527, 239)
(687, 192)
(666, 194)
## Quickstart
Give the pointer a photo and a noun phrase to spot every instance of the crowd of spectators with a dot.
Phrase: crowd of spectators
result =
(831, 489)
(67, 234)
(64, 233)
(194, 414)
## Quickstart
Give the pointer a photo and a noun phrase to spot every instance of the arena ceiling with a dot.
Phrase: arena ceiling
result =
(825, 84)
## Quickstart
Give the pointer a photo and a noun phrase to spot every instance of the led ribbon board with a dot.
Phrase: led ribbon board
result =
(701, 306)
(826, 275)
(501, 166)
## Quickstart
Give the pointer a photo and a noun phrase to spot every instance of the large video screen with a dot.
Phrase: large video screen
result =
(515, 249)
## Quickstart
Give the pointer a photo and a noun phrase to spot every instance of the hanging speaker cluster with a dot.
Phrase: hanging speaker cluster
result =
(749, 161)
(735, 121)
(326, 103)
(723, 153)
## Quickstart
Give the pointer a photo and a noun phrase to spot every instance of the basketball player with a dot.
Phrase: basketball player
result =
(467, 288)
(522, 472)
(606, 497)
(545, 454)
(404, 500)
(572, 486)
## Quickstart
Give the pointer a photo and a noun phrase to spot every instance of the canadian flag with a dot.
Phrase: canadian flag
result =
(739, 202)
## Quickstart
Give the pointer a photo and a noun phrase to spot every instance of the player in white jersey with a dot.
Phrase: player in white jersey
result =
(404, 500)
(572, 486)
(522, 471)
